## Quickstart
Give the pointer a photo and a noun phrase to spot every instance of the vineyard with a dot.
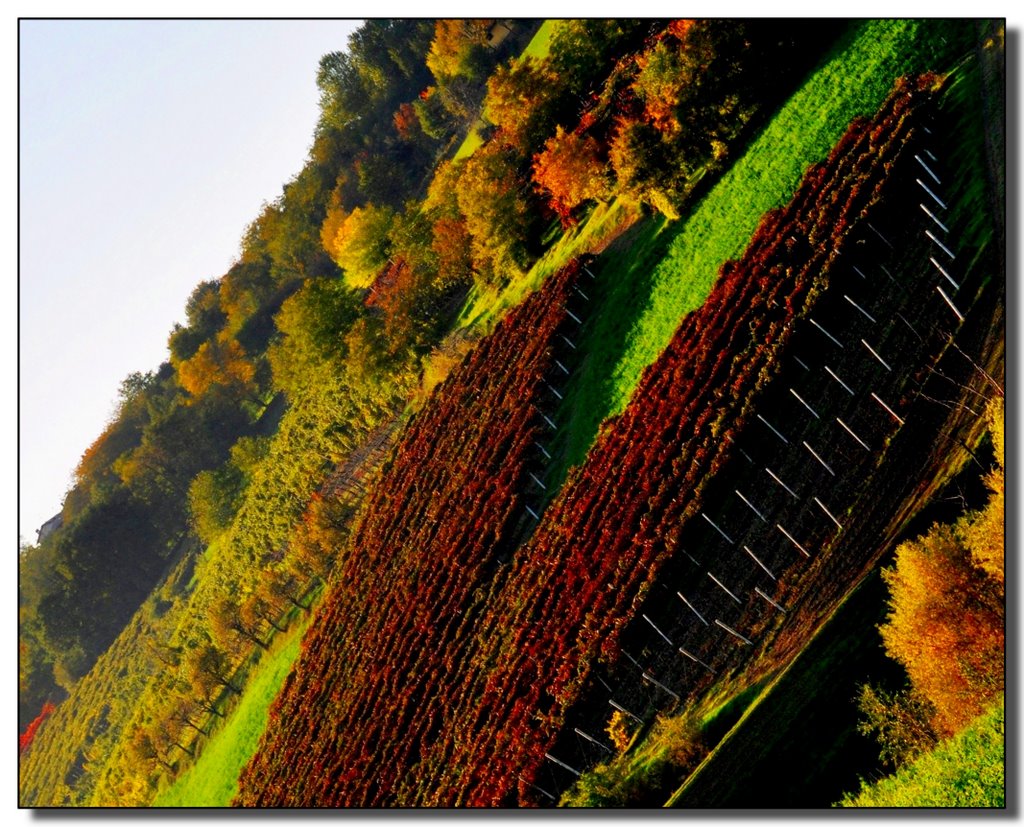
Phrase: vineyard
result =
(453, 502)
(678, 549)
(618, 531)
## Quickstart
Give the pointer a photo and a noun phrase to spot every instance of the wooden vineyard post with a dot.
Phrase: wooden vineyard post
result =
(849, 430)
(931, 215)
(942, 271)
(887, 409)
(554, 390)
(751, 506)
(714, 525)
(592, 740)
(935, 198)
(625, 711)
(723, 588)
(845, 387)
(691, 607)
(828, 513)
(760, 593)
(780, 482)
(830, 336)
(863, 312)
(733, 632)
(538, 789)
(647, 676)
(815, 455)
(791, 539)
(874, 353)
(949, 301)
(563, 765)
(695, 659)
(774, 430)
(756, 560)
(661, 633)
(799, 399)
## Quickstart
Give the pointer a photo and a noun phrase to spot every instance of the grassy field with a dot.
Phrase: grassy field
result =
(966, 771)
(212, 781)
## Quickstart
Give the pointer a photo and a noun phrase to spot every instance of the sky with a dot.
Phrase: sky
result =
(146, 148)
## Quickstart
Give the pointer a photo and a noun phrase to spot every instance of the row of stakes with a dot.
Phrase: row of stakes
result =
(946, 252)
(558, 394)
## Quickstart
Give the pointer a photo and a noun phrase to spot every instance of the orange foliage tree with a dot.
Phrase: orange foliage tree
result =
(571, 170)
(218, 362)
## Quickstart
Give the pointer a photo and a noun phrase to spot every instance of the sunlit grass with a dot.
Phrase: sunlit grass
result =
(473, 141)
(966, 771)
(540, 43)
(212, 781)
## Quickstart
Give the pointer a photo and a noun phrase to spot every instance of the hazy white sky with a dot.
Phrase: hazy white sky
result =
(146, 147)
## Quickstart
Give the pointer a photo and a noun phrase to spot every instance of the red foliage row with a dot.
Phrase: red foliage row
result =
(28, 736)
(362, 699)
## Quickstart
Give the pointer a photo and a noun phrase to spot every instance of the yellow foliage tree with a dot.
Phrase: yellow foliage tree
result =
(946, 613)
(361, 242)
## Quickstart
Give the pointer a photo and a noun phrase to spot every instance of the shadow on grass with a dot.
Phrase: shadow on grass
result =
(619, 298)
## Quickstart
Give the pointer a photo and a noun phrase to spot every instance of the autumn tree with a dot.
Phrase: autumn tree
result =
(524, 100)
(221, 362)
(452, 245)
(645, 169)
(228, 622)
(361, 244)
(500, 218)
(280, 587)
(459, 47)
(313, 323)
(319, 537)
(209, 668)
(186, 713)
(149, 750)
(946, 621)
(571, 171)
(899, 721)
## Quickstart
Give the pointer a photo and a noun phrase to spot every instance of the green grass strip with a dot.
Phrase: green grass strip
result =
(966, 771)
(212, 781)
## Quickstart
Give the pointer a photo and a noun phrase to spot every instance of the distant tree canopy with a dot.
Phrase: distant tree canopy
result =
(313, 324)
(459, 47)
